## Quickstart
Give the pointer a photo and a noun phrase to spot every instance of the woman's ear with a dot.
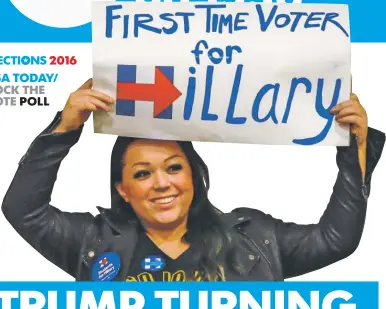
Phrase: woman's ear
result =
(122, 192)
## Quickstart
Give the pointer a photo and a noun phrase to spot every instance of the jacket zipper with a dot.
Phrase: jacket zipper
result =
(261, 252)
(366, 176)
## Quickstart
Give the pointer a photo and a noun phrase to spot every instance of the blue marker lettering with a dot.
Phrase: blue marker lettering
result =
(232, 102)
(229, 52)
(225, 21)
(298, 16)
(212, 52)
(264, 23)
(185, 16)
(208, 90)
(209, 8)
(125, 26)
(222, 23)
(140, 21)
(197, 52)
(190, 95)
(285, 20)
(173, 28)
(311, 18)
(110, 17)
(323, 112)
(294, 84)
(239, 20)
(256, 104)
(330, 18)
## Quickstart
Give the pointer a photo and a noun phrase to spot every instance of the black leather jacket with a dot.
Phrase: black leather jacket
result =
(269, 249)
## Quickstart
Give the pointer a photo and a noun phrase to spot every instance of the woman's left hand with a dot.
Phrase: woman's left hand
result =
(352, 112)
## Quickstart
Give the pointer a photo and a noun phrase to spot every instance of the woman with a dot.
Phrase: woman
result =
(161, 225)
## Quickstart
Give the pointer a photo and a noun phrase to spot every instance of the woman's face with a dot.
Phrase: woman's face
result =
(157, 182)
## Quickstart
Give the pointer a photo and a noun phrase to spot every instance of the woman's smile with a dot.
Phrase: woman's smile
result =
(165, 201)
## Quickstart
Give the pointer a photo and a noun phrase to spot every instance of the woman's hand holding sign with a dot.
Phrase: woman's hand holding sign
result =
(79, 106)
(351, 112)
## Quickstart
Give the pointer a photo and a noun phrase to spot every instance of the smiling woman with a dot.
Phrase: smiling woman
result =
(153, 184)
(157, 182)
(161, 225)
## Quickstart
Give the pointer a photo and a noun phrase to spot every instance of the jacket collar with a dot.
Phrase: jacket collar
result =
(121, 226)
(232, 219)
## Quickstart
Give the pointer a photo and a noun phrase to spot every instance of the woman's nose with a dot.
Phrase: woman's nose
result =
(161, 181)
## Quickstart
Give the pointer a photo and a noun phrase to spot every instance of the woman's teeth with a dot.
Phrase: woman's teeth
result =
(164, 200)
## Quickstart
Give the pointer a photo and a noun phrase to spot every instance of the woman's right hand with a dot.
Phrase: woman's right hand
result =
(79, 106)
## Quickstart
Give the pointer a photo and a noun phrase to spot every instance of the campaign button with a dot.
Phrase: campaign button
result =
(106, 267)
(153, 263)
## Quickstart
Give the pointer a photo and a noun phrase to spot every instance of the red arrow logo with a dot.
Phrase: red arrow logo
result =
(163, 93)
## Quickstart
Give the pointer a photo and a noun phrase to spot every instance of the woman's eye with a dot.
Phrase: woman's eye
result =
(141, 174)
(175, 167)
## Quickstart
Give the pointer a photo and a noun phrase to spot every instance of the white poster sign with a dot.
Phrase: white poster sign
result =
(239, 72)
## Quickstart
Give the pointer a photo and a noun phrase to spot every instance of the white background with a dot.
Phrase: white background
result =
(292, 183)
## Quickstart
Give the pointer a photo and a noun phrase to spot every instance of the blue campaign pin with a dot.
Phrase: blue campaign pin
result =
(153, 263)
(106, 267)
